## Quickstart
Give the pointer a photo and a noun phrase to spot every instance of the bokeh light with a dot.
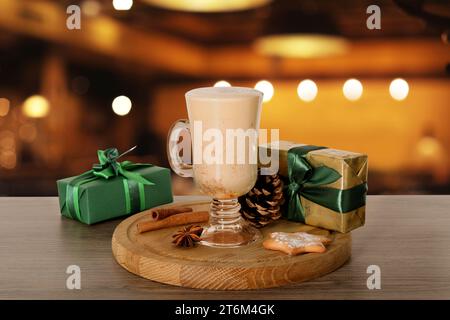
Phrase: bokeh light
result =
(8, 159)
(4, 107)
(122, 4)
(36, 107)
(428, 146)
(207, 5)
(121, 105)
(7, 140)
(301, 45)
(222, 84)
(307, 90)
(91, 8)
(266, 88)
(352, 89)
(399, 89)
(28, 132)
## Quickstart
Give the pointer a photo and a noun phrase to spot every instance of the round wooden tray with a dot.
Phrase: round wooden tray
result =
(153, 256)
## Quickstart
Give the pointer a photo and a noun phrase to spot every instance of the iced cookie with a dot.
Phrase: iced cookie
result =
(296, 242)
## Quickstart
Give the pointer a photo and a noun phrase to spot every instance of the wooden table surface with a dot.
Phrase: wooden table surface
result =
(408, 237)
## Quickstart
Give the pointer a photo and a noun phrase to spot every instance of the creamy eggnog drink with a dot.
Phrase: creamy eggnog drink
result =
(232, 113)
(223, 124)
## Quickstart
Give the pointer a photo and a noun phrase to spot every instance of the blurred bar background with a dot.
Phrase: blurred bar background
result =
(57, 85)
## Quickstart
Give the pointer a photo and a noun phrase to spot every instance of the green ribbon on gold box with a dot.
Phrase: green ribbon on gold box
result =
(324, 187)
(113, 189)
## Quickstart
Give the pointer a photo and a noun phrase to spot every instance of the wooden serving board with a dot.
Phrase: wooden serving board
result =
(153, 256)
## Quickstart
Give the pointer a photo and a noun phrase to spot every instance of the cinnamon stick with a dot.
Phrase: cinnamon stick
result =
(174, 220)
(162, 213)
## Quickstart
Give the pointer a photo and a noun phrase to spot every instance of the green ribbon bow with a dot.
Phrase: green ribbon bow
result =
(308, 182)
(109, 168)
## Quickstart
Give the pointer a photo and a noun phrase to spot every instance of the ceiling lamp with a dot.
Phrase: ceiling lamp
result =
(293, 33)
(208, 5)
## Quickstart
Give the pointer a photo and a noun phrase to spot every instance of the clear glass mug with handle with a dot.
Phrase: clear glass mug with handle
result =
(223, 128)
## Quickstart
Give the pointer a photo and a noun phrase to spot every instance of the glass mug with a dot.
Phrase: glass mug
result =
(223, 128)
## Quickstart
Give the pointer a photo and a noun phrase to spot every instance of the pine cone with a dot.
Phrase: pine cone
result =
(188, 236)
(262, 205)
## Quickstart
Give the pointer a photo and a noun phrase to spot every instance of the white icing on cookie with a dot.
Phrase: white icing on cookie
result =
(297, 239)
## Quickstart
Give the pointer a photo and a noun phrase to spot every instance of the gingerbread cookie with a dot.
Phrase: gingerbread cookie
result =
(296, 242)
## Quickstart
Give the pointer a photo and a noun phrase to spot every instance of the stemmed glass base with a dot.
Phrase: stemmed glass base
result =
(227, 229)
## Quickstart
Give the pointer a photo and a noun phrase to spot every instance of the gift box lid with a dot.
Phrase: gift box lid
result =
(353, 166)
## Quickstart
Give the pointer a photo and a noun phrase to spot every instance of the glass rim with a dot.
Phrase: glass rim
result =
(223, 93)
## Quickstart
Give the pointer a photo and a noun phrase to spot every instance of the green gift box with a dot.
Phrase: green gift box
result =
(113, 189)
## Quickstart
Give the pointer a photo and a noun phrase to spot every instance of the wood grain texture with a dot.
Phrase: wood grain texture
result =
(153, 256)
(406, 236)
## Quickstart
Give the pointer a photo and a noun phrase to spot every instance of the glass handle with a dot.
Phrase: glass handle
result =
(176, 162)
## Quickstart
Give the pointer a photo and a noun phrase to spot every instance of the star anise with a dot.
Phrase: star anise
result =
(188, 236)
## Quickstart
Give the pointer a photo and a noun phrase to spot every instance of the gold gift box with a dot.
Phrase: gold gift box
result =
(351, 166)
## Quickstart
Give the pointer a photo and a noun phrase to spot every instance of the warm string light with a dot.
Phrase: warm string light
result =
(307, 89)
(121, 105)
(266, 88)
